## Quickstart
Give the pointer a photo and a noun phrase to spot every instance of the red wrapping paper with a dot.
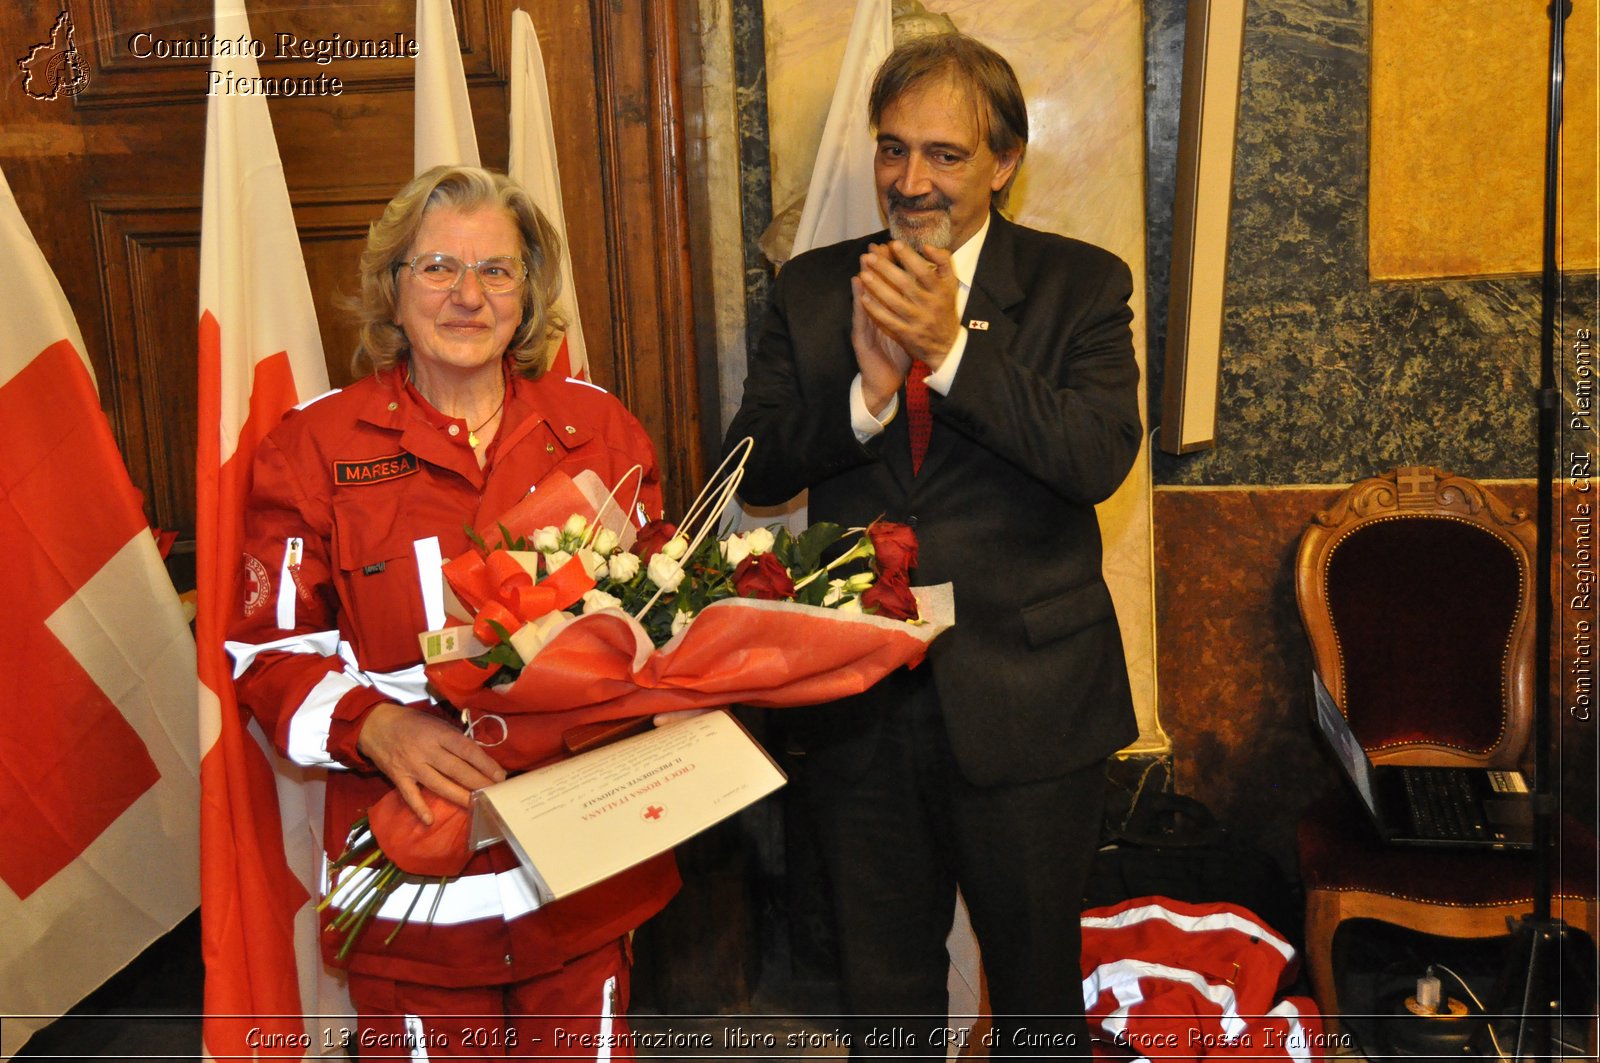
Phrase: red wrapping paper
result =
(602, 667)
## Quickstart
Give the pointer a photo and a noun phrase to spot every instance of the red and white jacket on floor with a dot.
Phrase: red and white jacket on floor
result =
(1167, 980)
(357, 498)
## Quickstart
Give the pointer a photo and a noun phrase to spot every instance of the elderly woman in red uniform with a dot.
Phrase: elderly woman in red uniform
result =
(357, 498)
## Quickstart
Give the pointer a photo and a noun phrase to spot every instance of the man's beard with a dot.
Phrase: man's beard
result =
(921, 232)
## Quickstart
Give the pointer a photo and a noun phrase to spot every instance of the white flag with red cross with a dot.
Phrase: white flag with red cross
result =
(260, 817)
(533, 165)
(842, 197)
(98, 761)
(442, 112)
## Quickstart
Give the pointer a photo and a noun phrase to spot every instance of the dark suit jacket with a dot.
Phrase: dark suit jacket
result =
(1041, 423)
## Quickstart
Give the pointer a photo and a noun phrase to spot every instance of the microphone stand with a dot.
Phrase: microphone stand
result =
(1538, 940)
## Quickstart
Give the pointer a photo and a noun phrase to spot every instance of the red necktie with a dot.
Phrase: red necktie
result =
(920, 416)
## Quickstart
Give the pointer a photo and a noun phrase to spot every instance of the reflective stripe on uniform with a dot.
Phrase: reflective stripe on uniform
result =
(608, 1008)
(465, 899)
(308, 728)
(430, 575)
(417, 1037)
(307, 744)
(1296, 1042)
(407, 686)
(1122, 980)
(1191, 924)
(322, 643)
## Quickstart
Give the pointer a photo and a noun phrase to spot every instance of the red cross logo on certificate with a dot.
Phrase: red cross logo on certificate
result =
(653, 812)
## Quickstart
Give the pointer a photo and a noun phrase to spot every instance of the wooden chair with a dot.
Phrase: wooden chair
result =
(1416, 592)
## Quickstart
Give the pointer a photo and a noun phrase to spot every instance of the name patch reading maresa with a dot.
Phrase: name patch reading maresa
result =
(374, 470)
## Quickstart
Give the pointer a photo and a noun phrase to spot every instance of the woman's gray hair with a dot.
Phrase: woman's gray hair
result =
(382, 343)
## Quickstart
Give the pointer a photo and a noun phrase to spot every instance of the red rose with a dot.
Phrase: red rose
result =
(894, 547)
(890, 596)
(763, 576)
(652, 537)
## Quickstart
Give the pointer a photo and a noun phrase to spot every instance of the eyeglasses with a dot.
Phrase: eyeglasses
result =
(444, 273)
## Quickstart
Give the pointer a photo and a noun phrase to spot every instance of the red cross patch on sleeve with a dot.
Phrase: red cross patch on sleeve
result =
(257, 585)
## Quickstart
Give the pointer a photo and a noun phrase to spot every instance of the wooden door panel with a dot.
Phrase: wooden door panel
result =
(332, 234)
(150, 258)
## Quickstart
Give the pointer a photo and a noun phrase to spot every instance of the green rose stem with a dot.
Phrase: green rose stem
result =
(862, 549)
(359, 904)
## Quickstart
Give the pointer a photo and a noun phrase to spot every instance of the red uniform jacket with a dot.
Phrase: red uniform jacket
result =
(1168, 980)
(356, 498)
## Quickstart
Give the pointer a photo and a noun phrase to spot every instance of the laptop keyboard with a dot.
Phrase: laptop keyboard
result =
(1442, 804)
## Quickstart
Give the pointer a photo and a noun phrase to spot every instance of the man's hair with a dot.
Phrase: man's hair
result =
(465, 188)
(1003, 114)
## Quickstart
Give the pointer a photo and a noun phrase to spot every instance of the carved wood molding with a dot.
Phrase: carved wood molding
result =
(1419, 487)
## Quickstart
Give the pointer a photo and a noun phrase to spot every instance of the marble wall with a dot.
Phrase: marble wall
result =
(1326, 376)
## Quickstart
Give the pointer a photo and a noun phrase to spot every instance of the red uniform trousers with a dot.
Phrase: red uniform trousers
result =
(576, 1012)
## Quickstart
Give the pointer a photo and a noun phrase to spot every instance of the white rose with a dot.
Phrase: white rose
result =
(576, 525)
(675, 548)
(596, 600)
(605, 542)
(623, 567)
(735, 549)
(555, 559)
(680, 620)
(547, 540)
(665, 572)
(760, 540)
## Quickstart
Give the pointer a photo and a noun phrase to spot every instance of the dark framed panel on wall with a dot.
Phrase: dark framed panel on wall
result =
(1208, 117)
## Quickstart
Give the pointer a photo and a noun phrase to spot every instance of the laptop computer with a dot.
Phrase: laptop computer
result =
(1471, 808)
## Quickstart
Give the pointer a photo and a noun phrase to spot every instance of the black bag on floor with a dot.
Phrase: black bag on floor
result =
(1172, 846)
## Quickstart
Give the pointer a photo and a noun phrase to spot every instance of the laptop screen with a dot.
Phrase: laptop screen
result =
(1337, 730)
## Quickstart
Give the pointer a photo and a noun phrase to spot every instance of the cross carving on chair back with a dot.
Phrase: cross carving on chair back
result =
(1416, 485)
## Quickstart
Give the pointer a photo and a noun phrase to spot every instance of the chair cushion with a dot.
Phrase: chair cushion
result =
(1423, 608)
(1341, 850)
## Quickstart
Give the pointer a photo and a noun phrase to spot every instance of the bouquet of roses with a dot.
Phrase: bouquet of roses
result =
(574, 621)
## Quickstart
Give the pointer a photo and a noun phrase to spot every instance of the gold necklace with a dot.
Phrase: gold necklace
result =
(472, 433)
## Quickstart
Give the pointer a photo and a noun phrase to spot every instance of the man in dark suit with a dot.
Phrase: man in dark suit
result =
(983, 768)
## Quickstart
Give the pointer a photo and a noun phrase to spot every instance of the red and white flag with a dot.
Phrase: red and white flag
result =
(533, 165)
(444, 133)
(842, 198)
(260, 817)
(98, 761)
